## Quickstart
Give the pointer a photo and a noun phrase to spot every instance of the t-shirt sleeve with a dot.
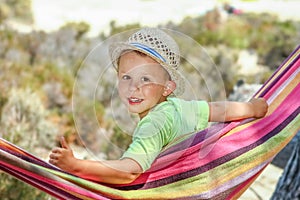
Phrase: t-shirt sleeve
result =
(202, 114)
(148, 141)
(194, 114)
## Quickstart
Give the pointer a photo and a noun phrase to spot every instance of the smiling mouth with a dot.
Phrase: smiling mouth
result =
(133, 100)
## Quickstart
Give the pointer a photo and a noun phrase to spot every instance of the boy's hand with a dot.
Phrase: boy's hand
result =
(63, 157)
(259, 107)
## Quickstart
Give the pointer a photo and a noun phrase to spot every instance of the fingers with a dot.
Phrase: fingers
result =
(53, 161)
(59, 155)
(260, 107)
(53, 157)
(56, 150)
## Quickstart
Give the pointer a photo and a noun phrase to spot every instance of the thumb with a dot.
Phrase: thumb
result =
(63, 143)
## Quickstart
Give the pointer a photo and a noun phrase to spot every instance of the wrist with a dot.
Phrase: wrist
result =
(251, 109)
(76, 166)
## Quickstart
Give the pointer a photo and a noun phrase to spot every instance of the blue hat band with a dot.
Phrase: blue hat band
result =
(148, 50)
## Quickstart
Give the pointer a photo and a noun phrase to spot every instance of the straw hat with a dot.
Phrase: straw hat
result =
(156, 44)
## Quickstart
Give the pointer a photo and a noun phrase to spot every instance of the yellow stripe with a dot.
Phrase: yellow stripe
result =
(219, 176)
(277, 101)
(279, 72)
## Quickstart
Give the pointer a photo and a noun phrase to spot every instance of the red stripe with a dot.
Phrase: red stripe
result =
(59, 185)
(189, 160)
(280, 82)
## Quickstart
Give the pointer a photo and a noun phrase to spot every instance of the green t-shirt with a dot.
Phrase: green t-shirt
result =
(164, 123)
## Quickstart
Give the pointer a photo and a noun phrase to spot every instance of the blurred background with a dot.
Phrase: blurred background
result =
(50, 51)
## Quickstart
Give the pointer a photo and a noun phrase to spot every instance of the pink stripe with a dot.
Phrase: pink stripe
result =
(233, 142)
(266, 124)
(244, 185)
(239, 180)
(34, 183)
(21, 151)
(280, 82)
(73, 189)
(17, 170)
(216, 148)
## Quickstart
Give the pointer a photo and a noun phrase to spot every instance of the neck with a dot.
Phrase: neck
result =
(162, 99)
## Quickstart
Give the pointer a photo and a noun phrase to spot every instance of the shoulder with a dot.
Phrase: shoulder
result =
(160, 114)
(163, 110)
(160, 119)
(188, 105)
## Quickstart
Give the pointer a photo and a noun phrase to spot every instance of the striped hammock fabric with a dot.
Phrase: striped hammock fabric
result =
(217, 163)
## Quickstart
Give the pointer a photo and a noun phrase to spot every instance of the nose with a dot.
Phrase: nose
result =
(133, 85)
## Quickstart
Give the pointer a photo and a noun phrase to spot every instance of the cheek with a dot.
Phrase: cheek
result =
(121, 88)
(153, 90)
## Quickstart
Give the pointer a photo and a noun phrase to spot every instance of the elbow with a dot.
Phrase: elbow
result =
(218, 112)
(130, 177)
(120, 178)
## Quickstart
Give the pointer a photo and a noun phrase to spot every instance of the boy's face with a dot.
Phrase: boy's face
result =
(142, 83)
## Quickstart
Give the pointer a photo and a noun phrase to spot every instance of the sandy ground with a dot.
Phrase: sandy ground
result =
(265, 184)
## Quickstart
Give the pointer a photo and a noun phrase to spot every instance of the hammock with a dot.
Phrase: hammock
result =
(220, 162)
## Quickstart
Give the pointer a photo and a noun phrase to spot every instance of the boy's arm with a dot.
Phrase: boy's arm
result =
(112, 171)
(230, 110)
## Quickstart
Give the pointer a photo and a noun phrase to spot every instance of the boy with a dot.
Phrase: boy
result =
(148, 83)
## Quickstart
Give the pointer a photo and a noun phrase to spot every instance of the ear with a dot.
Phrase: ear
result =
(169, 88)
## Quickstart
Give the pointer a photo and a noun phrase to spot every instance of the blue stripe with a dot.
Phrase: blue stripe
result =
(149, 50)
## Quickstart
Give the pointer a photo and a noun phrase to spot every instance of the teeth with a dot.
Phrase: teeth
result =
(134, 100)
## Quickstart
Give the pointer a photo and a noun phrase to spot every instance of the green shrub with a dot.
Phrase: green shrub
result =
(23, 117)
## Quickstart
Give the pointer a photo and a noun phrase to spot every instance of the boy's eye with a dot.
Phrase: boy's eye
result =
(125, 77)
(145, 79)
